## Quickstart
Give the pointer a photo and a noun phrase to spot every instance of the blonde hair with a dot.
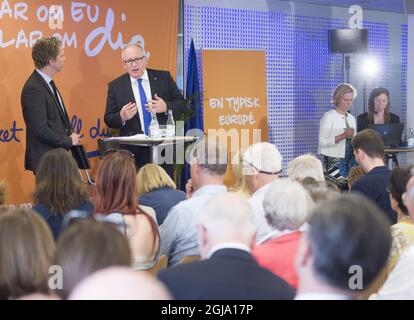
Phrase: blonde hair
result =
(151, 177)
(341, 90)
(355, 174)
(240, 184)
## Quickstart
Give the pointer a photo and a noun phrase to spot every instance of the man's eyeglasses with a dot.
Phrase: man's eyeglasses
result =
(244, 162)
(130, 62)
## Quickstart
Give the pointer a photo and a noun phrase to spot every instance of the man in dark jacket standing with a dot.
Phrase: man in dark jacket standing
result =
(44, 112)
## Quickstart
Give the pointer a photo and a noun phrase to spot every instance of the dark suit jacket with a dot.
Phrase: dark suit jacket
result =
(228, 274)
(120, 93)
(363, 123)
(374, 185)
(162, 200)
(47, 126)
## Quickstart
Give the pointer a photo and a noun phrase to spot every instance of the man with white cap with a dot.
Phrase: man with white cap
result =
(262, 163)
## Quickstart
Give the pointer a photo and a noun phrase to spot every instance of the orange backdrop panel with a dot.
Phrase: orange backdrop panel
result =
(93, 33)
(234, 84)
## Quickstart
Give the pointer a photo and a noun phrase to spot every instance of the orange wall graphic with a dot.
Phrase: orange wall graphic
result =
(93, 34)
(235, 99)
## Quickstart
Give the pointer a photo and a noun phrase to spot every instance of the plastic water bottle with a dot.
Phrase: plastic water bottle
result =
(170, 125)
(154, 127)
(410, 138)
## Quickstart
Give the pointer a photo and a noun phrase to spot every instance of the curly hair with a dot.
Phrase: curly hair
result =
(44, 50)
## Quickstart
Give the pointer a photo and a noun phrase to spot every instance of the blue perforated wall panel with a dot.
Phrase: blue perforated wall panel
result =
(301, 73)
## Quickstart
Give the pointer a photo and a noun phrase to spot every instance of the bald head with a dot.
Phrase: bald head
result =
(119, 283)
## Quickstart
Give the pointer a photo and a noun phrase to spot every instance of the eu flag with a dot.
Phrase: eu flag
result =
(193, 98)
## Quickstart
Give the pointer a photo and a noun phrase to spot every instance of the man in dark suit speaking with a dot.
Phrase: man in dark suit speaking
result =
(45, 115)
(134, 95)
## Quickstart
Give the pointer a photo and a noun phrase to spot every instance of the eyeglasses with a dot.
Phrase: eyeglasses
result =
(244, 162)
(130, 62)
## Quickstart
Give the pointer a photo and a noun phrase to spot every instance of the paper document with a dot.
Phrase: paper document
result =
(139, 136)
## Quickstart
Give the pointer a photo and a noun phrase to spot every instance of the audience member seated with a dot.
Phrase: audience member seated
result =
(262, 163)
(346, 247)
(208, 164)
(369, 153)
(320, 191)
(115, 201)
(240, 184)
(2, 192)
(305, 166)
(354, 175)
(287, 205)
(337, 127)
(403, 231)
(88, 246)
(59, 189)
(157, 190)
(378, 110)
(26, 252)
(226, 233)
(118, 283)
(400, 281)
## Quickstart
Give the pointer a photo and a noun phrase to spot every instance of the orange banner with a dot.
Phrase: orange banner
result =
(93, 33)
(235, 99)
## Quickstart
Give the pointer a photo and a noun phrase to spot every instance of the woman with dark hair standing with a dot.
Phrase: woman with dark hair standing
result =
(59, 189)
(378, 110)
(115, 201)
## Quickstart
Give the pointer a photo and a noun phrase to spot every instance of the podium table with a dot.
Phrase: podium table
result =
(396, 151)
(153, 143)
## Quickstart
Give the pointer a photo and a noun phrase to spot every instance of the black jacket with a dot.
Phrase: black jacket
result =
(120, 93)
(363, 123)
(47, 126)
(229, 274)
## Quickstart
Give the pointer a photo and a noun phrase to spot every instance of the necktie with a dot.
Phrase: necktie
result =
(55, 92)
(145, 113)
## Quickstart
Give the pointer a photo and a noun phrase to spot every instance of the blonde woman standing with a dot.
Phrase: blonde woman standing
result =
(337, 128)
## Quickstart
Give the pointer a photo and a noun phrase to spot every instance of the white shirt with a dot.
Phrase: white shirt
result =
(48, 79)
(332, 124)
(256, 201)
(147, 89)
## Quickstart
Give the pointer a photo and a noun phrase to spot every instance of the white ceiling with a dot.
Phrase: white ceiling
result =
(399, 6)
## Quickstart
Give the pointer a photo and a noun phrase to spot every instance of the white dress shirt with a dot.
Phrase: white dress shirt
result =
(48, 79)
(333, 124)
(147, 89)
(256, 201)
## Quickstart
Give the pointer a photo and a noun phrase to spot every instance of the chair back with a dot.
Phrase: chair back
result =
(189, 259)
(161, 264)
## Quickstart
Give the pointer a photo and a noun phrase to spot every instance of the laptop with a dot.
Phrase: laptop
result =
(391, 133)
